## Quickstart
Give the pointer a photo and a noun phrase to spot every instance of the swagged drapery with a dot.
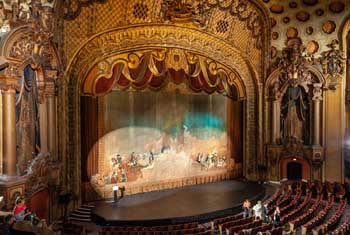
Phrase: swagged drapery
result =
(155, 69)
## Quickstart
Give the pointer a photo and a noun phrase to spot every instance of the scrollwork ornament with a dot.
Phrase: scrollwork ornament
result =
(199, 13)
(293, 63)
(333, 63)
(72, 8)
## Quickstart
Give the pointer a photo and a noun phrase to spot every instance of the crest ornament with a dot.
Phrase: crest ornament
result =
(333, 64)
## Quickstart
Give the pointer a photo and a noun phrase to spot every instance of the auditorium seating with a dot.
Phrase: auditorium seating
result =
(332, 221)
(305, 206)
(344, 228)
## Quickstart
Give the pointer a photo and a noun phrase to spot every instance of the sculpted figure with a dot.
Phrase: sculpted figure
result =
(24, 10)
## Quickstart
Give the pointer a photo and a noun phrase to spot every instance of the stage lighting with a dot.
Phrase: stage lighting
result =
(115, 193)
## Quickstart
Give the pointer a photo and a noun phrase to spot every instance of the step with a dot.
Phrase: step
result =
(79, 219)
(84, 209)
(80, 215)
(78, 211)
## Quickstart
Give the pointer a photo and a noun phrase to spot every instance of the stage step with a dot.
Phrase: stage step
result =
(82, 214)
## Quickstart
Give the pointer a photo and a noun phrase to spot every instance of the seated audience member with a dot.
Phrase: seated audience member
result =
(246, 208)
(20, 210)
(276, 219)
(6, 228)
(258, 210)
(265, 214)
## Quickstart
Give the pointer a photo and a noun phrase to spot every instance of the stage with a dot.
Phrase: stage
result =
(191, 203)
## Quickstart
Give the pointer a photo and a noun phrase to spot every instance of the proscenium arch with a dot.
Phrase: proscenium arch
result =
(121, 40)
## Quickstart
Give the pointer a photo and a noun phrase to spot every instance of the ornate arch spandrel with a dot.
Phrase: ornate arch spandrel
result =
(122, 40)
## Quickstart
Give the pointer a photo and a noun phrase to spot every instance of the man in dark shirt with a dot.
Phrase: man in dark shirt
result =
(6, 228)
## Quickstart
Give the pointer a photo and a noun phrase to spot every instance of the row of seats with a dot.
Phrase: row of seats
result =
(306, 216)
(344, 228)
(222, 220)
(238, 228)
(294, 213)
(292, 204)
(233, 223)
(332, 221)
(319, 218)
(256, 230)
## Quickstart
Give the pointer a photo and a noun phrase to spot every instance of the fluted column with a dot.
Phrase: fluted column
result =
(276, 115)
(9, 131)
(316, 101)
(51, 116)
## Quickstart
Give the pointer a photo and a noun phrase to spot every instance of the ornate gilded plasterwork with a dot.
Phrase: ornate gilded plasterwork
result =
(316, 22)
(230, 27)
(114, 42)
(72, 8)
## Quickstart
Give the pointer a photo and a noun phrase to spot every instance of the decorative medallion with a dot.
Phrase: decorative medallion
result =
(293, 5)
(319, 12)
(292, 32)
(275, 35)
(312, 47)
(328, 27)
(303, 16)
(276, 8)
(310, 2)
(309, 30)
(286, 20)
(336, 6)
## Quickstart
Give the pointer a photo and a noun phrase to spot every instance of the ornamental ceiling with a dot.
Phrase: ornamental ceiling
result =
(316, 22)
(243, 24)
(242, 28)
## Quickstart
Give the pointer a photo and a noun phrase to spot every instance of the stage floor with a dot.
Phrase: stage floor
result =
(213, 199)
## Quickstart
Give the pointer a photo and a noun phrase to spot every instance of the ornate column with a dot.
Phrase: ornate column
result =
(276, 113)
(8, 89)
(51, 115)
(43, 124)
(1, 134)
(316, 101)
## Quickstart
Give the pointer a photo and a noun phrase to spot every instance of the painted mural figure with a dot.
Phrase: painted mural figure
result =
(151, 158)
(124, 177)
(133, 160)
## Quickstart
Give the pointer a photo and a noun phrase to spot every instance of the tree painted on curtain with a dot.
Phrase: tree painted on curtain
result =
(152, 136)
(27, 122)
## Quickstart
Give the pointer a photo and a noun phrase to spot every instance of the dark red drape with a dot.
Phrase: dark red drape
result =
(89, 137)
